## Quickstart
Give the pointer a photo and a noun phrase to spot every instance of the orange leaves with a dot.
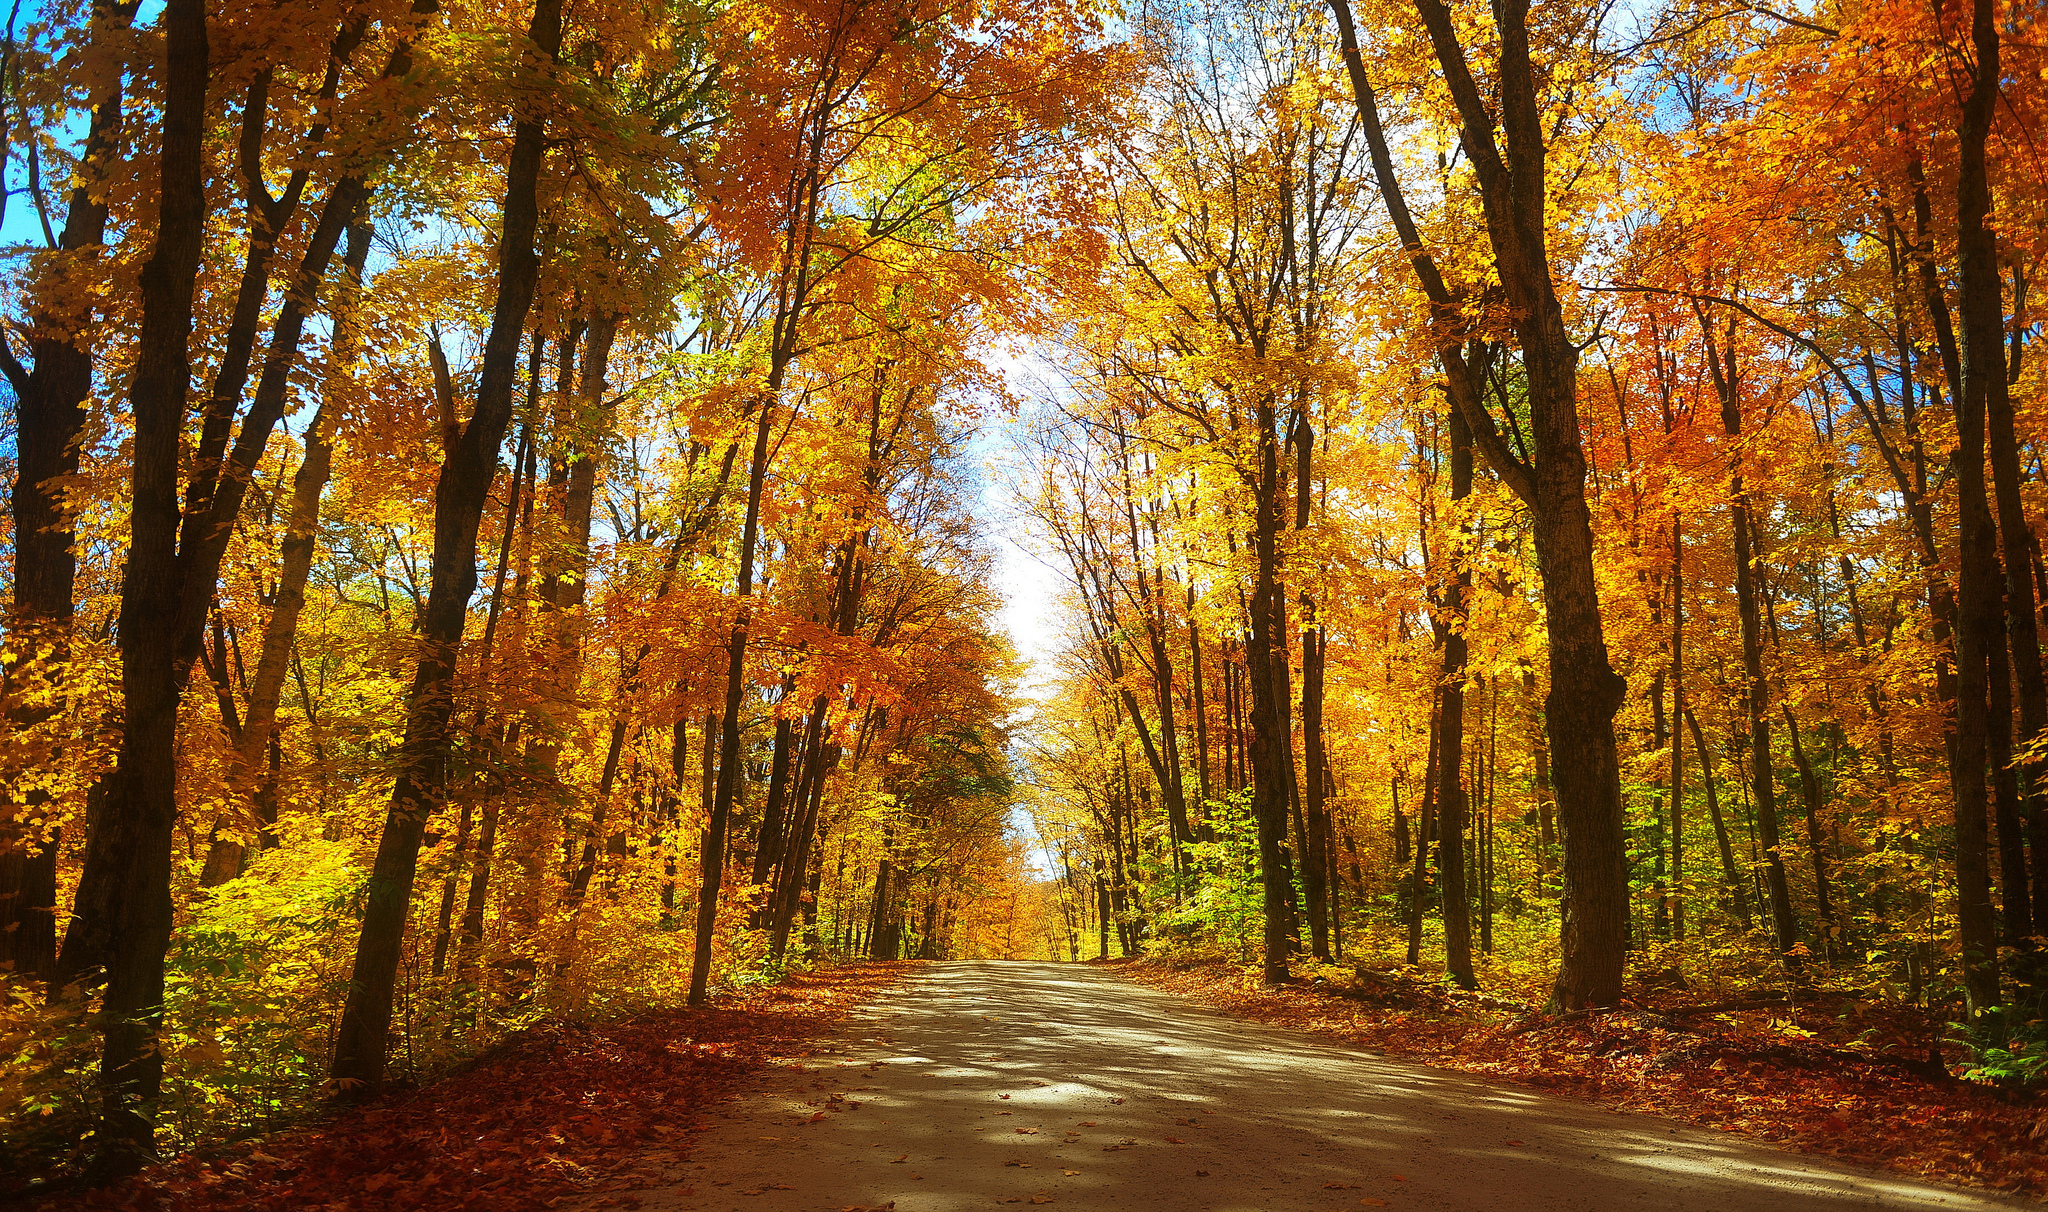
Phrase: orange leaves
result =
(597, 1095)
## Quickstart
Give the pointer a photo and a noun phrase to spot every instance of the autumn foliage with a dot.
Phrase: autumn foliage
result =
(504, 512)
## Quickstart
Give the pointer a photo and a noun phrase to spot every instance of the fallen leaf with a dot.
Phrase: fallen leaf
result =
(1201, 1174)
(750, 1193)
(1002, 1096)
(1087, 1123)
(1370, 1202)
(904, 1158)
(1400, 1178)
(780, 1187)
(1027, 1131)
(1116, 1100)
(1515, 1142)
(1070, 1173)
(1175, 1140)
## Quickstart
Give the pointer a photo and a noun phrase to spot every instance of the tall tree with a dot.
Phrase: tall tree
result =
(1508, 152)
(469, 465)
(130, 845)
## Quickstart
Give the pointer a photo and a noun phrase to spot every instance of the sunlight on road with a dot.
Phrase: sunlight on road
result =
(1059, 1084)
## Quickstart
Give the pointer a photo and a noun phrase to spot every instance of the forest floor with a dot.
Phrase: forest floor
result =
(566, 1115)
(975, 1085)
(1827, 1077)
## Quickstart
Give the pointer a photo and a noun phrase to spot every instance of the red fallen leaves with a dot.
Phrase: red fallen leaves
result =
(563, 1109)
(1738, 1080)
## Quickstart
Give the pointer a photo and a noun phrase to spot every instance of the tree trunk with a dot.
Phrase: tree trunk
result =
(1736, 884)
(1677, 732)
(228, 854)
(1321, 888)
(1811, 793)
(1424, 830)
(730, 774)
(1585, 692)
(1983, 393)
(1763, 780)
(1271, 751)
(467, 470)
(50, 414)
(124, 912)
(1450, 763)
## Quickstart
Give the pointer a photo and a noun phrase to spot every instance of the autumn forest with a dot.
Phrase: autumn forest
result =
(512, 508)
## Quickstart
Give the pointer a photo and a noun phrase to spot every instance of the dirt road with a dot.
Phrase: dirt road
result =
(977, 1085)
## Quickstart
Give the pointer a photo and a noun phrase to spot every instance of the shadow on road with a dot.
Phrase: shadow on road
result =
(1016, 1082)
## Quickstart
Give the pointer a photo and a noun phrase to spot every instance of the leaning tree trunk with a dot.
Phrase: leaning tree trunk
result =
(227, 854)
(467, 470)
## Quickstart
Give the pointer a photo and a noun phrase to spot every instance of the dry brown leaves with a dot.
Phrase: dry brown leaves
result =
(565, 1114)
(1728, 1072)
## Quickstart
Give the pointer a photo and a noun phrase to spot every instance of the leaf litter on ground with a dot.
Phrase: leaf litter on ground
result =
(565, 1114)
(1732, 1071)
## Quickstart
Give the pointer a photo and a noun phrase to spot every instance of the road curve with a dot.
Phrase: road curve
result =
(979, 1085)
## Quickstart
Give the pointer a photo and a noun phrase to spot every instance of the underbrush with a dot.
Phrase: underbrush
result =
(255, 981)
(566, 1107)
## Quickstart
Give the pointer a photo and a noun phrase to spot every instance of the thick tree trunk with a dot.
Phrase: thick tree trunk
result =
(50, 399)
(124, 922)
(173, 608)
(467, 470)
(1450, 763)
(1271, 751)
(1585, 692)
(1984, 395)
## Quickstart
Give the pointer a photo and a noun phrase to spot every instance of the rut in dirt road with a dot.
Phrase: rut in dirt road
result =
(979, 1084)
